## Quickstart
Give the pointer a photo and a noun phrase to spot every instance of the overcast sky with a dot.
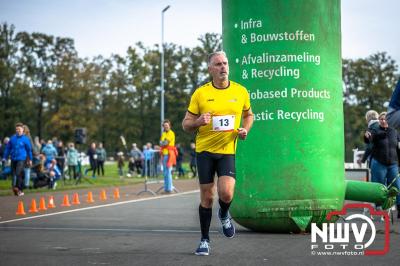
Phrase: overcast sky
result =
(110, 26)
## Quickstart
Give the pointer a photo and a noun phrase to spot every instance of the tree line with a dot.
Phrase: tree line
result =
(45, 84)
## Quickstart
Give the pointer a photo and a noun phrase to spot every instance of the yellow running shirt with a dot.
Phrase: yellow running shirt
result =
(170, 137)
(226, 107)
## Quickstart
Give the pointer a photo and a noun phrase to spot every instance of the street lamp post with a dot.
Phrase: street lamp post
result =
(162, 64)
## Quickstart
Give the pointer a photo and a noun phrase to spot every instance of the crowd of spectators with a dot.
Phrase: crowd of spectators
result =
(44, 163)
(52, 161)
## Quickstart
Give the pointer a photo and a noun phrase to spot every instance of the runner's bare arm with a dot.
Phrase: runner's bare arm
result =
(247, 123)
(192, 122)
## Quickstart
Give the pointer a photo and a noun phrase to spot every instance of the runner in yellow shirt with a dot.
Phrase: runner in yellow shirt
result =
(215, 113)
(168, 151)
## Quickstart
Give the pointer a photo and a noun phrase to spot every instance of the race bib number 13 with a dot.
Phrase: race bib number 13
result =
(223, 122)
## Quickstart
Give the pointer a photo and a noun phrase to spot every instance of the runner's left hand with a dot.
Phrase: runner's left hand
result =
(242, 132)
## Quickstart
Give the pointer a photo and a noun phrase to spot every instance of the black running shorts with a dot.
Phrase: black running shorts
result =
(210, 163)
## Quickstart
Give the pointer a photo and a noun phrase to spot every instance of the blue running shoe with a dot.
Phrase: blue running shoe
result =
(204, 248)
(228, 229)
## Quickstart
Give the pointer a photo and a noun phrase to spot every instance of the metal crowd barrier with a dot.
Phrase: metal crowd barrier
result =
(153, 173)
(152, 170)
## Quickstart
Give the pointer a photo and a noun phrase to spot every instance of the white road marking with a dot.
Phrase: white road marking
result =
(104, 229)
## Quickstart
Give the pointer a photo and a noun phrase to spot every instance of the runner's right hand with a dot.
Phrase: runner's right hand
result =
(204, 119)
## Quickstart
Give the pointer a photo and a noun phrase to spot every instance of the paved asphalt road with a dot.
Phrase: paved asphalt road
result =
(157, 231)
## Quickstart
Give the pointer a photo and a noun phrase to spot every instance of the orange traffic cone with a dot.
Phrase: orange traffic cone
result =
(33, 206)
(42, 204)
(66, 201)
(51, 203)
(75, 199)
(90, 197)
(116, 193)
(103, 195)
(20, 209)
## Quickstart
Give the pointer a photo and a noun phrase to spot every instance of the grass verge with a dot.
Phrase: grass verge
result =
(110, 179)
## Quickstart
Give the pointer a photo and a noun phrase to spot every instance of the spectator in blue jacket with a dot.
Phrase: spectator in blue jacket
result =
(3, 147)
(20, 150)
(54, 172)
(50, 151)
(4, 165)
(148, 154)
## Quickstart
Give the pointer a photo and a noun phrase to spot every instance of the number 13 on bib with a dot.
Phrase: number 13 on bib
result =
(223, 122)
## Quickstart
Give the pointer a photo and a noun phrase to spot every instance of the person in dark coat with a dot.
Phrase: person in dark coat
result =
(92, 159)
(385, 147)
